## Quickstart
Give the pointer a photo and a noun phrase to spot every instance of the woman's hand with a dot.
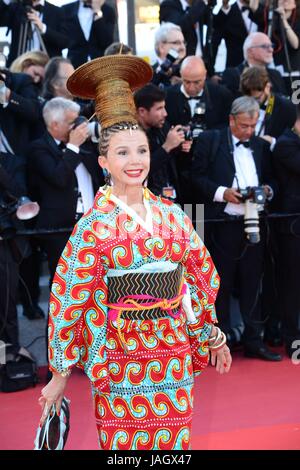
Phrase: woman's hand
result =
(221, 358)
(52, 393)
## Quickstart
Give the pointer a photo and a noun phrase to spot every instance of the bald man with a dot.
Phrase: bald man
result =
(182, 99)
(258, 51)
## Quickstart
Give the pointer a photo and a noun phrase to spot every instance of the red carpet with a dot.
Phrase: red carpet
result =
(255, 406)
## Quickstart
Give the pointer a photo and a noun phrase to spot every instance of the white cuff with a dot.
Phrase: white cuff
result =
(273, 143)
(218, 197)
(72, 147)
(44, 28)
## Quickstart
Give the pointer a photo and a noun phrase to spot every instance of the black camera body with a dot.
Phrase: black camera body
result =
(198, 124)
(167, 65)
(254, 193)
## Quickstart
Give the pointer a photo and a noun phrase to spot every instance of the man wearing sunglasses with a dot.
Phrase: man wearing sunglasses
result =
(258, 51)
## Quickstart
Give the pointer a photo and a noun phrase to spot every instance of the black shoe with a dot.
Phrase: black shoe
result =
(274, 342)
(262, 352)
(33, 312)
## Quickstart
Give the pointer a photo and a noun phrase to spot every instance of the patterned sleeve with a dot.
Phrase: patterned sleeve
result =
(203, 282)
(77, 314)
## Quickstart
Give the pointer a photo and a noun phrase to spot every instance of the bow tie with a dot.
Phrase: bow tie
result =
(87, 5)
(193, 98)
(62, 146)
(263, 106)
(244, 8)
(38, 8)
(246, 143)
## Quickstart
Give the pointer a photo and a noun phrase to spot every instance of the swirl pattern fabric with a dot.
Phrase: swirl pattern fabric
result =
(80, 333)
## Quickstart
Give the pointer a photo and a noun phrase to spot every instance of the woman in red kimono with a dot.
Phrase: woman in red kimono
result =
(132, 300)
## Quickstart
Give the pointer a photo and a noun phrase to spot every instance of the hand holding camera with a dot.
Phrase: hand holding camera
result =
(175, 137)
(80, 132)
(232, 195)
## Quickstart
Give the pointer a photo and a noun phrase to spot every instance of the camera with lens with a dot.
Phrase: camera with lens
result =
(198, 124)
(167, 65)
(23, 208)
(254, 198)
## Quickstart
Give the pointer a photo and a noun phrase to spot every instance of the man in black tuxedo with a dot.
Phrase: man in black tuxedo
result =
(258, 51)
(287, 164)
(12, 186)
(239, 161)
(168, 43)
(164, 141)
(232, 24)
(45, 22)
(190, 16)
(63, 176)
(182, 99)
(89, 25)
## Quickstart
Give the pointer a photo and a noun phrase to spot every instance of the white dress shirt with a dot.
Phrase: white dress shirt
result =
(192, 102)
(85, 185)
(198, 51)
(85, 17)
(245, 175)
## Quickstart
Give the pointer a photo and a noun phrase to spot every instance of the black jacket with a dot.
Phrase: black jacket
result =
(101, 36)
(211, 171)
(163, 170)
(172, 11)
(22, 111)
(286, 158)
(283, 116)
(217, 99)
(53, 183)
(12, 16)
(231, 79)
(230, 27)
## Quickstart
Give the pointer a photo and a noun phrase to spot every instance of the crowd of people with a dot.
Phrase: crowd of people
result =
(212, 135)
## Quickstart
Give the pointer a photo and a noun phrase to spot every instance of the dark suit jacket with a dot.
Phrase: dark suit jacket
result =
(54, 39)
(232, 29)
(53, 183)
(283, 116)
(231, 79)
(286, 157)
(208, 173)
(172, 11)
(218, 102)
(22, 111)
(101, 36)
(163, 170)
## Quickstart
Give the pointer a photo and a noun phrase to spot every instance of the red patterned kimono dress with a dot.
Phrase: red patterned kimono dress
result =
(141, 361)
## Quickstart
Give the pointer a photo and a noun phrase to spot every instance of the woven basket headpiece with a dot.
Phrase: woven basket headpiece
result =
(110, 81)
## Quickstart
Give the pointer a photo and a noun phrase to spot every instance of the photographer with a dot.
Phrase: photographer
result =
(170, 50)
(165, 143)
(287, 164)
(35, 25)
(63, 176)
(12, 186)
(181, 100)
(240, 160)
(281, 20)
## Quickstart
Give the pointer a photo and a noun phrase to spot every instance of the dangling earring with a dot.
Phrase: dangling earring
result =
(107, 177)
